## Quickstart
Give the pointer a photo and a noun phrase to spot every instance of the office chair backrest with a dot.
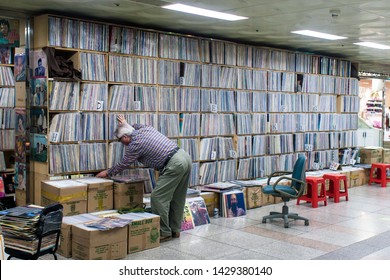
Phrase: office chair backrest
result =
(299, 173)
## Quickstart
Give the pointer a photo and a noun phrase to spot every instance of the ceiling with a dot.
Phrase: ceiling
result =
(269, 23)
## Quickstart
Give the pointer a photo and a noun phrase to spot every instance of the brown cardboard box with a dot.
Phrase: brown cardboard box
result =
(100, 194)
(143, 231)
(70, 208)
(92, 244)
(210, 199)
(347, 173)
(71, 194)
(128, 194)
(357, 178)
(385, 155)
(65, 247)
(111, 251)
(254, 196)
(370, 155)
(366, 176)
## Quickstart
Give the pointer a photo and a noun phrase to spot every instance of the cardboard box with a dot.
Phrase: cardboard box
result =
(254, 196)
(70, 208)
(366, 177)
(143, 231)
(385, 155)
(211, 200)
(111, 251)
(100, 194)
(71, 194)
(65, 247)
(357, 178)
(370, 155)
(128, 194)
(92, 244)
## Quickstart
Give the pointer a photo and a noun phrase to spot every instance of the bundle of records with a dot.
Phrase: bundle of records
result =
(19, 226)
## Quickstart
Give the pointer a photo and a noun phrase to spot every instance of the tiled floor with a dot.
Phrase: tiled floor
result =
(349, 230)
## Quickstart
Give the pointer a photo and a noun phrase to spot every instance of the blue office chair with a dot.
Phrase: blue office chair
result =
(297, 188)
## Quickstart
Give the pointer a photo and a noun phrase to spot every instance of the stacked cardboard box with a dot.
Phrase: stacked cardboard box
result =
(143, 231)
(65, 247)
(371, 155)
(385, 155)
(92, 244)
(71, 194)
(100, 193)
(128, 195)
(211, 200)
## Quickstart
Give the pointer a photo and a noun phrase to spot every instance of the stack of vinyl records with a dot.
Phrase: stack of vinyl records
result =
(19, 226)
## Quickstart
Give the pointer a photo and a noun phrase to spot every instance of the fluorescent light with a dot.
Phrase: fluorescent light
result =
(318, 34)
(373, 45)
(202, 12)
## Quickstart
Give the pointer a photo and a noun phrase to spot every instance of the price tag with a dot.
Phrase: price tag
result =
(213, 108)
(274, 127)
(316, 166)
(54, 137)
(315, 108)
(284, 108)
(233, 154)
(213, 155)
(137, 105)
(100, 104)
(308, 147)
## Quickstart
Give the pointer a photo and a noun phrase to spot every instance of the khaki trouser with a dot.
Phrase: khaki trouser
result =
(169, 195)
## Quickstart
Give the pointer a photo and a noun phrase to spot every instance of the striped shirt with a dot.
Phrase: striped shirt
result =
(148, 146)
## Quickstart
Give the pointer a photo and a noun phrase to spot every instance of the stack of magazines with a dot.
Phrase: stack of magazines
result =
(19, 226)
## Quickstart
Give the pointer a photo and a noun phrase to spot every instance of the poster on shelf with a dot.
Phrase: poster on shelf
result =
(20, 151)
(20, 176)
(20, 67)
(9, 32)
(38, 121)
(5, 55)
(38, 63)
(20, 126)
(39, 148)
(38, 91)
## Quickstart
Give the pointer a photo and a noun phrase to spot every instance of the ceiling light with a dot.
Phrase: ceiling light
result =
(318, 34)
(202, 12)
(373, 45)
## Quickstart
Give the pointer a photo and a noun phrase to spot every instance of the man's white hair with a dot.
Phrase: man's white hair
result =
(123, 130)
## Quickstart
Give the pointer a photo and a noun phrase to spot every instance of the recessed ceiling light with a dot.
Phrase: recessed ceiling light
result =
(318, 34)
(202, 12)
(373, 45)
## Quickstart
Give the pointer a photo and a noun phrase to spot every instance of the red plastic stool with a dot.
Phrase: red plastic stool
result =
(380, 178)
(312, 192)
(334, 186)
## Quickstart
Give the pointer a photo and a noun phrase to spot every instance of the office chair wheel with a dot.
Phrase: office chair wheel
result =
(306, 223)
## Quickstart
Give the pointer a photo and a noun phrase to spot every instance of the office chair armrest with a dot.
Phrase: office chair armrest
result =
(277, 173)
(298, 192)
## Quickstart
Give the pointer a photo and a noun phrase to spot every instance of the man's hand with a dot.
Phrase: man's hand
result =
(121, 119)
(102, 174)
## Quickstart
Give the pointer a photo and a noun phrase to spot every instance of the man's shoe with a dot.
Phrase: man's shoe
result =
(175, 234)
(165, 238)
